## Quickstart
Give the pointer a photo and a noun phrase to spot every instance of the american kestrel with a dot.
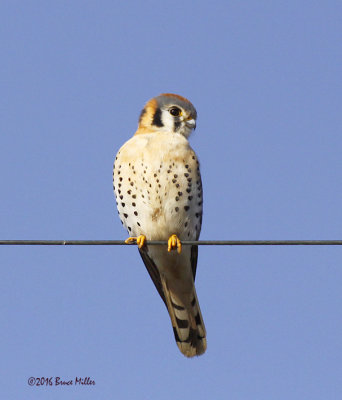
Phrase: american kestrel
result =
(158, 190)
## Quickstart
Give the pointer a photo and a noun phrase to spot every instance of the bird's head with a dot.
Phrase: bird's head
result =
(168, 113)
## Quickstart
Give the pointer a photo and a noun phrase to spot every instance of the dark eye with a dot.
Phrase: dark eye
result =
(175, 111)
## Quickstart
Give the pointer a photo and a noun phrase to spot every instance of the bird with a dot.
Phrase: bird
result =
(158, 189)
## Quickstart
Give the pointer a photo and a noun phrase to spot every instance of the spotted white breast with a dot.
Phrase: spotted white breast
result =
(158, 187)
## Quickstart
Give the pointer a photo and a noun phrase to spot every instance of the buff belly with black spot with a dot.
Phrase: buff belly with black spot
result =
(159, 192)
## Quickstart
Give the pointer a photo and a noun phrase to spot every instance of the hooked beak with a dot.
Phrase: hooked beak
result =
(191, 123)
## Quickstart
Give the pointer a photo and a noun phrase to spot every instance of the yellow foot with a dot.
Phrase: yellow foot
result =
(174, 243)
(140, 240)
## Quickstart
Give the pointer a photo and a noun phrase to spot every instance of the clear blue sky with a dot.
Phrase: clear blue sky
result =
(265, 78)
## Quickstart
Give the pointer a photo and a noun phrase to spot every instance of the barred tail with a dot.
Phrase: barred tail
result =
(187, 322)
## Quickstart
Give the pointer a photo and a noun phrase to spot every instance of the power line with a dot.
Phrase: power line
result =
(164, 242)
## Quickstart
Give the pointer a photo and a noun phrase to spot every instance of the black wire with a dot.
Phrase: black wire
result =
(164, 242)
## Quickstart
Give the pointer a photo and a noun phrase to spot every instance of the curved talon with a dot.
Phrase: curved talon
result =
(131, 240)
(174, 243)
(140, 240)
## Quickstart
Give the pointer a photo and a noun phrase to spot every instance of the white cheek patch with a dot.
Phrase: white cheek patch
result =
(175, 124)
(168, 121)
